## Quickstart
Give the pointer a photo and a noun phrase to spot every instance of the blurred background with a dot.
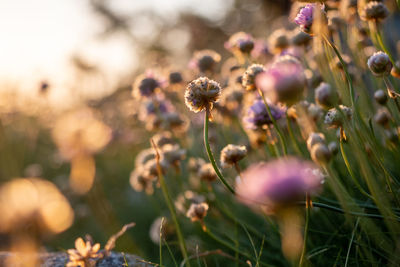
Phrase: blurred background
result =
(59, 56)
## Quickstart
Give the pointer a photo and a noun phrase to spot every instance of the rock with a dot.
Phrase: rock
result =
(59, 259)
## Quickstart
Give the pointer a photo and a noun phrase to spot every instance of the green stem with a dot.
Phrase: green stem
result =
(276, 126)
(294, 140)
(231, 247)
(303, 252)
(210, 154)
(382, 44)
(353, 177)
(171, 207)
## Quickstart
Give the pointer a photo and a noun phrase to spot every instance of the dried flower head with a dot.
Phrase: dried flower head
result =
(379, 64)
(143, 156)
(85, 254)
(141, 181)
(160, 228)
(374, 11)
(205, 60)
(278, 183)
(183, 201)
(257, 116)
(207, 173)
(163, 138)
(284, 81)
(171, 155)
(249, 76)
(232, 154)
(201, 93)
(197, 212)
(195, 164)
(333, 117)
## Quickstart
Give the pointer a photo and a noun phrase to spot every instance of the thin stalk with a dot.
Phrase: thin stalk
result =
(294, 140)
(351, 241)
(170, 205)
(303, 252)
(382, 44)
(210, 154)
(353, 177)
(231, 247)
(276, 126)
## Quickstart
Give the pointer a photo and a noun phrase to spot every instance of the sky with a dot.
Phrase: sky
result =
(37, 38)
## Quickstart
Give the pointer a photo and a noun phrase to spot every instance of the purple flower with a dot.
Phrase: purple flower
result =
(284, 81)
(305, 18)
(257, 115)
(279, 182)
(240, 41)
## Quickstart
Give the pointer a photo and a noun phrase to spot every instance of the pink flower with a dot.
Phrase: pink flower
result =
(279, 182)
(305, 18)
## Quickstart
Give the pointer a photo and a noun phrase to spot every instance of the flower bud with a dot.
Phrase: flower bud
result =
(382, 117)
(333, 117)
(326, 96)
(197, 212)
(320, 153)
(380, 97)
(379, 64)
(315, 138)
(333, 148)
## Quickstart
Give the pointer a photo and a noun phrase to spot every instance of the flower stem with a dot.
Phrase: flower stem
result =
(210, 154)
(303, 252)
(170, 205)
(276, 126)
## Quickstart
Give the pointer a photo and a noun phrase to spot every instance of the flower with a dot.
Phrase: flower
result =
(249, 76)
(240, 42)
(175, 77)
(305, 18)
(257, 116)
(204, 60)
(374, 11)
(278, 40)
(320, 153)
(326, 96)
(141, 182)
(380, 97)
(284, 81)
(379, 64)
(315, 138)
(207, 173)
(145, 85)
(201, 93)
(84, 255)
(197, 212)
(278, 183)
(334, 119)
(231, 154)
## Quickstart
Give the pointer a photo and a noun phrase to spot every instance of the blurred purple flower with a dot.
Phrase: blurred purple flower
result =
(257, 115)
(279, 182)
(305, 18)
(284, 81)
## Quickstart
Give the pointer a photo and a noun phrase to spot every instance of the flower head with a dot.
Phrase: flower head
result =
(84, 255)
(231, 154)
(257, 116)
(240, 42)
(333, 117)
(284, 81)
(146, 85)
(379, 64)
(305, 18)
(279, 182)
(249, 76)
(325, 95)
(201, 93)
(374, 11)
(205, 60)
(197, 212)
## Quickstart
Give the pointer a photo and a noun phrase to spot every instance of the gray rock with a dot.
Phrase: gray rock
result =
(59, 259)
